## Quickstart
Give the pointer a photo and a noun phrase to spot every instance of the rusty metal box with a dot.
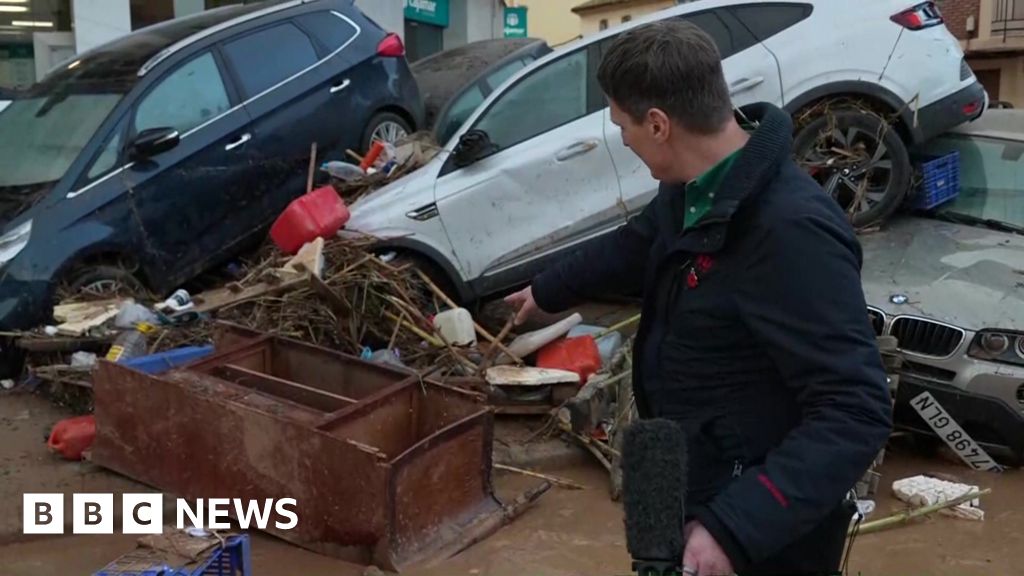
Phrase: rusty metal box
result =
(385, 467)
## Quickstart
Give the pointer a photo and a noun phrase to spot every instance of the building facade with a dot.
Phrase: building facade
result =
(598, 15)
(991, 33)
(552, 20)
(36, 35)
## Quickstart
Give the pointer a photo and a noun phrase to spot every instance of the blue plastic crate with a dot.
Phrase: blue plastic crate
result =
(234, 559)
(164, 361)
(940, 181)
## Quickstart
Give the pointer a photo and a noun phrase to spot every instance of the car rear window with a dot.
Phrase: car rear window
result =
(729, 35)
(267, 57)
(327, 28)
(767, 20)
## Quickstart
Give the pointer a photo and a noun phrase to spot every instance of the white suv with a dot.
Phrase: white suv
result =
(553, 171)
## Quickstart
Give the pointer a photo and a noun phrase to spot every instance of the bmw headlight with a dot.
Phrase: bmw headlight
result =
(998, 346)
(13, 242)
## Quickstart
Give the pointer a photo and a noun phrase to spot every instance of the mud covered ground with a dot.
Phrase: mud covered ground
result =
(566, 533)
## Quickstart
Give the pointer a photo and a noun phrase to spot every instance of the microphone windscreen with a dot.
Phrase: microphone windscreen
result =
(653, 489)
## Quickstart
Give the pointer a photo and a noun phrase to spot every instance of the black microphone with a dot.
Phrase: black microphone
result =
(653, 491)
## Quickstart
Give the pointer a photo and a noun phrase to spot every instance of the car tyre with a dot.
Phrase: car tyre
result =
(871, 174)
(386, 126)
(434, 273)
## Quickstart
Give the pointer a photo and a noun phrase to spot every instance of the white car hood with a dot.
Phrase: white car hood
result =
(966, 276)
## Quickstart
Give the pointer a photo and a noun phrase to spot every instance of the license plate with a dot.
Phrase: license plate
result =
(952, 434)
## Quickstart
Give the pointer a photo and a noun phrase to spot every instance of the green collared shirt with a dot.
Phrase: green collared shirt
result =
(699, 195)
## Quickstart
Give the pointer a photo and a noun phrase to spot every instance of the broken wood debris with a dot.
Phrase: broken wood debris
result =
(554, 480)
(908, 515)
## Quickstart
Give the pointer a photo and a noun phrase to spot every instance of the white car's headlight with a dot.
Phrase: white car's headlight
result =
(13, 242)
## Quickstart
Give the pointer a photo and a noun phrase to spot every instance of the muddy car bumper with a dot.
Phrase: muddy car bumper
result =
(953, 110)
(993, 423)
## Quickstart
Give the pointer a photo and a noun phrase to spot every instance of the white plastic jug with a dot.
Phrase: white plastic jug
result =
(456, 326)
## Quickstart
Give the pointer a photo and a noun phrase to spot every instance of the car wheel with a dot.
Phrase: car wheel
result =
(387, 127)
(424, 294)
(860, 161)
(104, 281)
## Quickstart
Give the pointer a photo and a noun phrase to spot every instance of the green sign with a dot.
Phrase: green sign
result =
(427, 11)
(515, 22)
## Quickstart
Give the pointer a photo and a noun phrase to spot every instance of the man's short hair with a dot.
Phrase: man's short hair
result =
(672, 65)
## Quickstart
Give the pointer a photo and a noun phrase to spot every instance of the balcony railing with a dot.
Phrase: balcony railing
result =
(1007, 19)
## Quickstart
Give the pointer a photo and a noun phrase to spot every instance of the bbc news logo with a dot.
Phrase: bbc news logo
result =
(144, 513)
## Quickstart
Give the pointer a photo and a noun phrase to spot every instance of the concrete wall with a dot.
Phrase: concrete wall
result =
(187, 7)
(389, 14)
(473, 20)
(590, 21)
(99, 21)
(485, 20)
(552, 20)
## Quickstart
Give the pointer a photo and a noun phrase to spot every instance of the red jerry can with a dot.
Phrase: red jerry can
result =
(319, 214)
(579, 355)
(73, 436)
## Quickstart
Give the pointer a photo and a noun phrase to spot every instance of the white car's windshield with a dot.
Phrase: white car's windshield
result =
(41, 136)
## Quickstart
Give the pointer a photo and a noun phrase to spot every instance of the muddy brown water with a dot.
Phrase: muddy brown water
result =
(567, 533)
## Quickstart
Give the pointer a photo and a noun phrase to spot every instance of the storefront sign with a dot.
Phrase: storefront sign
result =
(427, 11)
(515, 22)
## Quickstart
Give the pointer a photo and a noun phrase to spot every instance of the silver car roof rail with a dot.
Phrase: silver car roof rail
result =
(185, 42)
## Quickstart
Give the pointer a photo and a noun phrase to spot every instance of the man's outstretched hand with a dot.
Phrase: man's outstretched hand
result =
(525, 302)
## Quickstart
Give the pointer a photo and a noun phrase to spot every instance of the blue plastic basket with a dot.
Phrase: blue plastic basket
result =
(233, 559)
(940, 181)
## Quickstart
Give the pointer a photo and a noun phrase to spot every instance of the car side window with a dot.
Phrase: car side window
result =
(729, 35)
(550, 97)
(270, 56)
(499, 76)
(107, 160)
(187, 97)
(768, 20)
(331, 31)
(459, 112)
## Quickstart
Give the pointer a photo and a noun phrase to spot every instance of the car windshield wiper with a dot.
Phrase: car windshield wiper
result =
(976, 221)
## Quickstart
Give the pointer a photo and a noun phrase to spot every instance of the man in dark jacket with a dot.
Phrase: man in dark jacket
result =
(754, 334)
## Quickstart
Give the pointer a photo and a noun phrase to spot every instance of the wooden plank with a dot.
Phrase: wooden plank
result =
(214, 300)
(80, 326)
(529, 376)
(77, 311)
(309, 259)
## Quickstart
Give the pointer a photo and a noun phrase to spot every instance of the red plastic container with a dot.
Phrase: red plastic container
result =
(321, 213)
(73, 436)
(579, 355)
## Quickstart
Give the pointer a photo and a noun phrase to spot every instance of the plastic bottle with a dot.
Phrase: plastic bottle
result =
(128, 344)
(343, 171)
(456, 326)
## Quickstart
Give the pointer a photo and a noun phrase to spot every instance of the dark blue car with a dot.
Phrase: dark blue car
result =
(152, 159)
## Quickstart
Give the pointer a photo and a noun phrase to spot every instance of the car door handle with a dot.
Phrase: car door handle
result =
(577, 149)
(339, 87)
(744, 84)
(239, 141)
